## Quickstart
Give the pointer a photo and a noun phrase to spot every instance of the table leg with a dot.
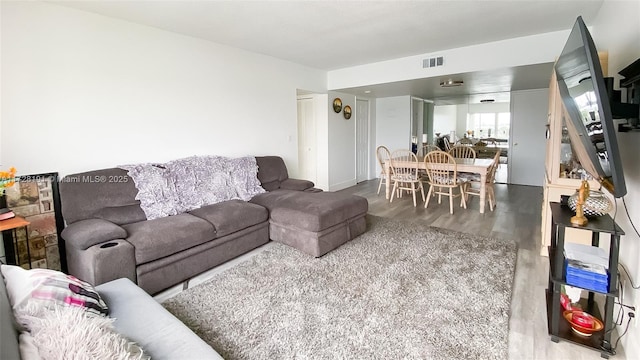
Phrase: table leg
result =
(483, 191)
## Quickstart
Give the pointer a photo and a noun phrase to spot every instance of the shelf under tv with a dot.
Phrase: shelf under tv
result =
(566, 333)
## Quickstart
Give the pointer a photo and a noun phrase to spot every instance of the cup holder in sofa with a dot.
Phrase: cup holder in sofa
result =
(108, 245)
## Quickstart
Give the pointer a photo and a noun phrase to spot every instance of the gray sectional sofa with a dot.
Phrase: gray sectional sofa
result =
(108, 235)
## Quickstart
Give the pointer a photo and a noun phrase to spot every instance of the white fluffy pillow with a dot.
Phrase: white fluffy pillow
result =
(31, 291)
(68, 334)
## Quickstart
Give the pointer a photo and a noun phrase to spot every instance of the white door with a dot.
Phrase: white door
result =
(307, 140)
(529, 110)
(362, 140)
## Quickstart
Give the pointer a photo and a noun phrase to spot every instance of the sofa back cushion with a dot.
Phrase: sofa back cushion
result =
(111, 192)
(271, 172)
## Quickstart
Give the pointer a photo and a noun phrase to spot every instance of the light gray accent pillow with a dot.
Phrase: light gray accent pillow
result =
(64, 333)
(244, 175)
(156, 189)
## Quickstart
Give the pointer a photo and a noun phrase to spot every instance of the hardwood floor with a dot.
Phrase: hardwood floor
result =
(517, 216)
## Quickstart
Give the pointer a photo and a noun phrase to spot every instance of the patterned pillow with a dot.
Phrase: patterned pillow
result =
(33, 291)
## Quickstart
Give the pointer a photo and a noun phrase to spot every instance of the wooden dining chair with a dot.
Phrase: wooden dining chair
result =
(383, 155)
(474, 179)
(443, 174)
(405, 174)
(446, 143)
(426, 148)
(463, 152)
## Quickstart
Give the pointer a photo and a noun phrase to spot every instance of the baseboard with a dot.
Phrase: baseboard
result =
(342, 185)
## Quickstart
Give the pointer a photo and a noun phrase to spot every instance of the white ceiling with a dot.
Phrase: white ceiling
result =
(335, 34)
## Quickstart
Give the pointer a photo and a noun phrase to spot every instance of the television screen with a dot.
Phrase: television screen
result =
(590, 124)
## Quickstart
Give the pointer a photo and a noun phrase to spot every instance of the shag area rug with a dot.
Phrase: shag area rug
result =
(400, 290)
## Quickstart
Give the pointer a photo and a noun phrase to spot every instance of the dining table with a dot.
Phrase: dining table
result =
(478, 166)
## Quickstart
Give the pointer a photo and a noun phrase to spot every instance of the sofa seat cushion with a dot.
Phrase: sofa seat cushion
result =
(311, 211)
(230, 216)
(157, 238)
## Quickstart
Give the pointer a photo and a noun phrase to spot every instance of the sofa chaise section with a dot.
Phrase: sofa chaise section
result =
(311, 221)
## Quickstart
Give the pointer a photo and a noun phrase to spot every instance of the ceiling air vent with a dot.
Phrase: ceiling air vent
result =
(433, 62)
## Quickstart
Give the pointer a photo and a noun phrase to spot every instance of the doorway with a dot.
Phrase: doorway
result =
(485, 125)
(307, 147)
(362, 140)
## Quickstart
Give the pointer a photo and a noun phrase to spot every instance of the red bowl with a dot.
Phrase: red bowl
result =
(583, 323)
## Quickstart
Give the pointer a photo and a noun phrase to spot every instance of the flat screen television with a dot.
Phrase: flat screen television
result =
(590, 123)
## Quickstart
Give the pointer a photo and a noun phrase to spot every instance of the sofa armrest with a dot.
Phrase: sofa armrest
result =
(85, 233)
(141, 319)
(296, 184)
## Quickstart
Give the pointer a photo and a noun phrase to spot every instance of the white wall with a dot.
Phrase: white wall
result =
(342, 143)
(497, 107)
(83, 91)
(462, 110)
(617, 30)
(393, 123)
(445, 119)
(534, 49)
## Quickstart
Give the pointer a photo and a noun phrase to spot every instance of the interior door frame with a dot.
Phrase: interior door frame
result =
(367, 160)
(315, 159)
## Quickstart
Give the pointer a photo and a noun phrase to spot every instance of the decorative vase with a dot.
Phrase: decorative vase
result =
(597, 204)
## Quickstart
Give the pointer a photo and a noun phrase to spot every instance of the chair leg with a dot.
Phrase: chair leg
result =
(380, 184)
(393, 192)
(463, 195)
(413, 191)
(451, 200)
(426, 202)
(492, 197)
(421, 190)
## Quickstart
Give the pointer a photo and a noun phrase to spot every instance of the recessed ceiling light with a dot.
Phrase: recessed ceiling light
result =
(367, 91)
(451, 83)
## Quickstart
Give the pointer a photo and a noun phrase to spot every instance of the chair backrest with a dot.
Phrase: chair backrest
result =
(404, 164)
(463, 152)
(491, 174)
(441, 168)
(447, 143)
(383, 155)
(426, 148)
